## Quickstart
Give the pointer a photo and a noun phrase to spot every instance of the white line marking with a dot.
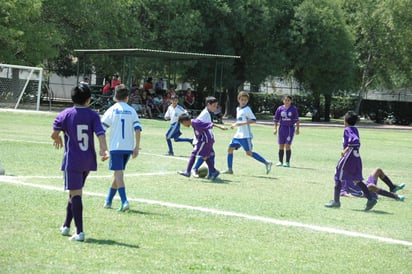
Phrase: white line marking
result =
(13, 180)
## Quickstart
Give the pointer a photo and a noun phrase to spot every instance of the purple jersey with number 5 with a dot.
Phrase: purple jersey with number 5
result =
(79, 125)
(349, 166)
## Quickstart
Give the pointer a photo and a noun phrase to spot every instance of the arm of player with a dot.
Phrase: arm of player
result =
(220, 127)
(137, 146)
(104, 154)
(58, 141)
(297, 127)
(238, 124)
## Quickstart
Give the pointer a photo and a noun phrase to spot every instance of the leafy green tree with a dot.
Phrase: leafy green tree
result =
(383, 42)
(323, 58)
(26, 39)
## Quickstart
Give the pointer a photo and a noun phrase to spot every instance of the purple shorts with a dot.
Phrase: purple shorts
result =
(203, 149)
(74, 180)
(285, 135)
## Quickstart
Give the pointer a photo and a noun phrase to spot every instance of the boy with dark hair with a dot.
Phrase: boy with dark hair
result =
(172, 114)
(206, 116)
(349, 166)
(204, 144)
(243, 136)
(124, 141)
(78, 123)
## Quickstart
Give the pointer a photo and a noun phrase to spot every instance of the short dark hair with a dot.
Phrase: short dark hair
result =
(184, 117)
(351, 118)
(80, 94)
(121, 92)
(210, 100)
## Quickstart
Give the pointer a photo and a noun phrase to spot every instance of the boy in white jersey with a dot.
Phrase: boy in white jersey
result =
(243, 136)
(173, 112)
(124, 141)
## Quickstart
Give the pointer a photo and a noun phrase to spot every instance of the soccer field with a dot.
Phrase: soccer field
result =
(248, 222)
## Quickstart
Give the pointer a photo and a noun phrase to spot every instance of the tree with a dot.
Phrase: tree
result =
(26, 39)
(322, 51)
(383, 42)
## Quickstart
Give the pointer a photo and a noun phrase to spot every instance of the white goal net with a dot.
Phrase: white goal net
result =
(20, 85)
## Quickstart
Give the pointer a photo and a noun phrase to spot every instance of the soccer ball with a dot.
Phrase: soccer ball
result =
(203, 171)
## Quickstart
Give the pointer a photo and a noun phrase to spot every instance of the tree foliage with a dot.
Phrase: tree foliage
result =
(328, 45)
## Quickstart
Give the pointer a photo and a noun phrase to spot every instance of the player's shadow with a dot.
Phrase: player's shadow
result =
(217, 181)
(108, 242)
(380, 212)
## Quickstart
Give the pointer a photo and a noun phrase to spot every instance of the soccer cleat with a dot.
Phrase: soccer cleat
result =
(184, 173)
(279, 164)
(214, 175)
(370, 204)
(169, 153)
(401, 198)
(229, 171)
(124, 207)
(286, 164)
(333, 204)
(107, 205)
(77, 237)
(65, 231)
(268, 167)
(398, 187)
(194, 173)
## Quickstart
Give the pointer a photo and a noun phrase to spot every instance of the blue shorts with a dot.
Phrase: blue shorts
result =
(74, 180)
(174, 131)
(246, 143)
(118, 160)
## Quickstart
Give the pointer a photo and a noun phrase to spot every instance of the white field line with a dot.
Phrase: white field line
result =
(14, 180)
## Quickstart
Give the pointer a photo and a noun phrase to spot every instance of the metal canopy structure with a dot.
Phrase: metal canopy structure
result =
(159, 54)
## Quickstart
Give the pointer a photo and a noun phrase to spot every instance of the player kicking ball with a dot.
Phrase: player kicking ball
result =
(204, 145)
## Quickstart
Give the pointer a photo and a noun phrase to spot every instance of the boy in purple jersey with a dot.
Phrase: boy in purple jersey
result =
(124, 141)
(172, 114)
(78, 124)
(204, 145)
(349, 166)
(350, 189)
(286, 116)
(206, 116)
(243, 136)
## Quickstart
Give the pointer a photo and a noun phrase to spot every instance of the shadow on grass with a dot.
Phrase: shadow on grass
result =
(380, 212)
(108, 242)
(217, 181)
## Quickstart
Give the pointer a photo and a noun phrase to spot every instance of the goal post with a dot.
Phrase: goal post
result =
(20, 84)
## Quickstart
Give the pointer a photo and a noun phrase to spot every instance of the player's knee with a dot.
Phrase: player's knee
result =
(249, 153)
(373, 188)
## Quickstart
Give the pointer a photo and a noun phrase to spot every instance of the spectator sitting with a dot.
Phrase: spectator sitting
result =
(189, 99)
(106, 88)
(148, 86)
(115, 81)
(147, 104)
(135, 100)
(85, 81)
(159, 87)
(158, 103)
(166, 101)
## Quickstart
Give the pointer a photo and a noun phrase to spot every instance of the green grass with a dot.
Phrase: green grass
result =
(161, 238)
